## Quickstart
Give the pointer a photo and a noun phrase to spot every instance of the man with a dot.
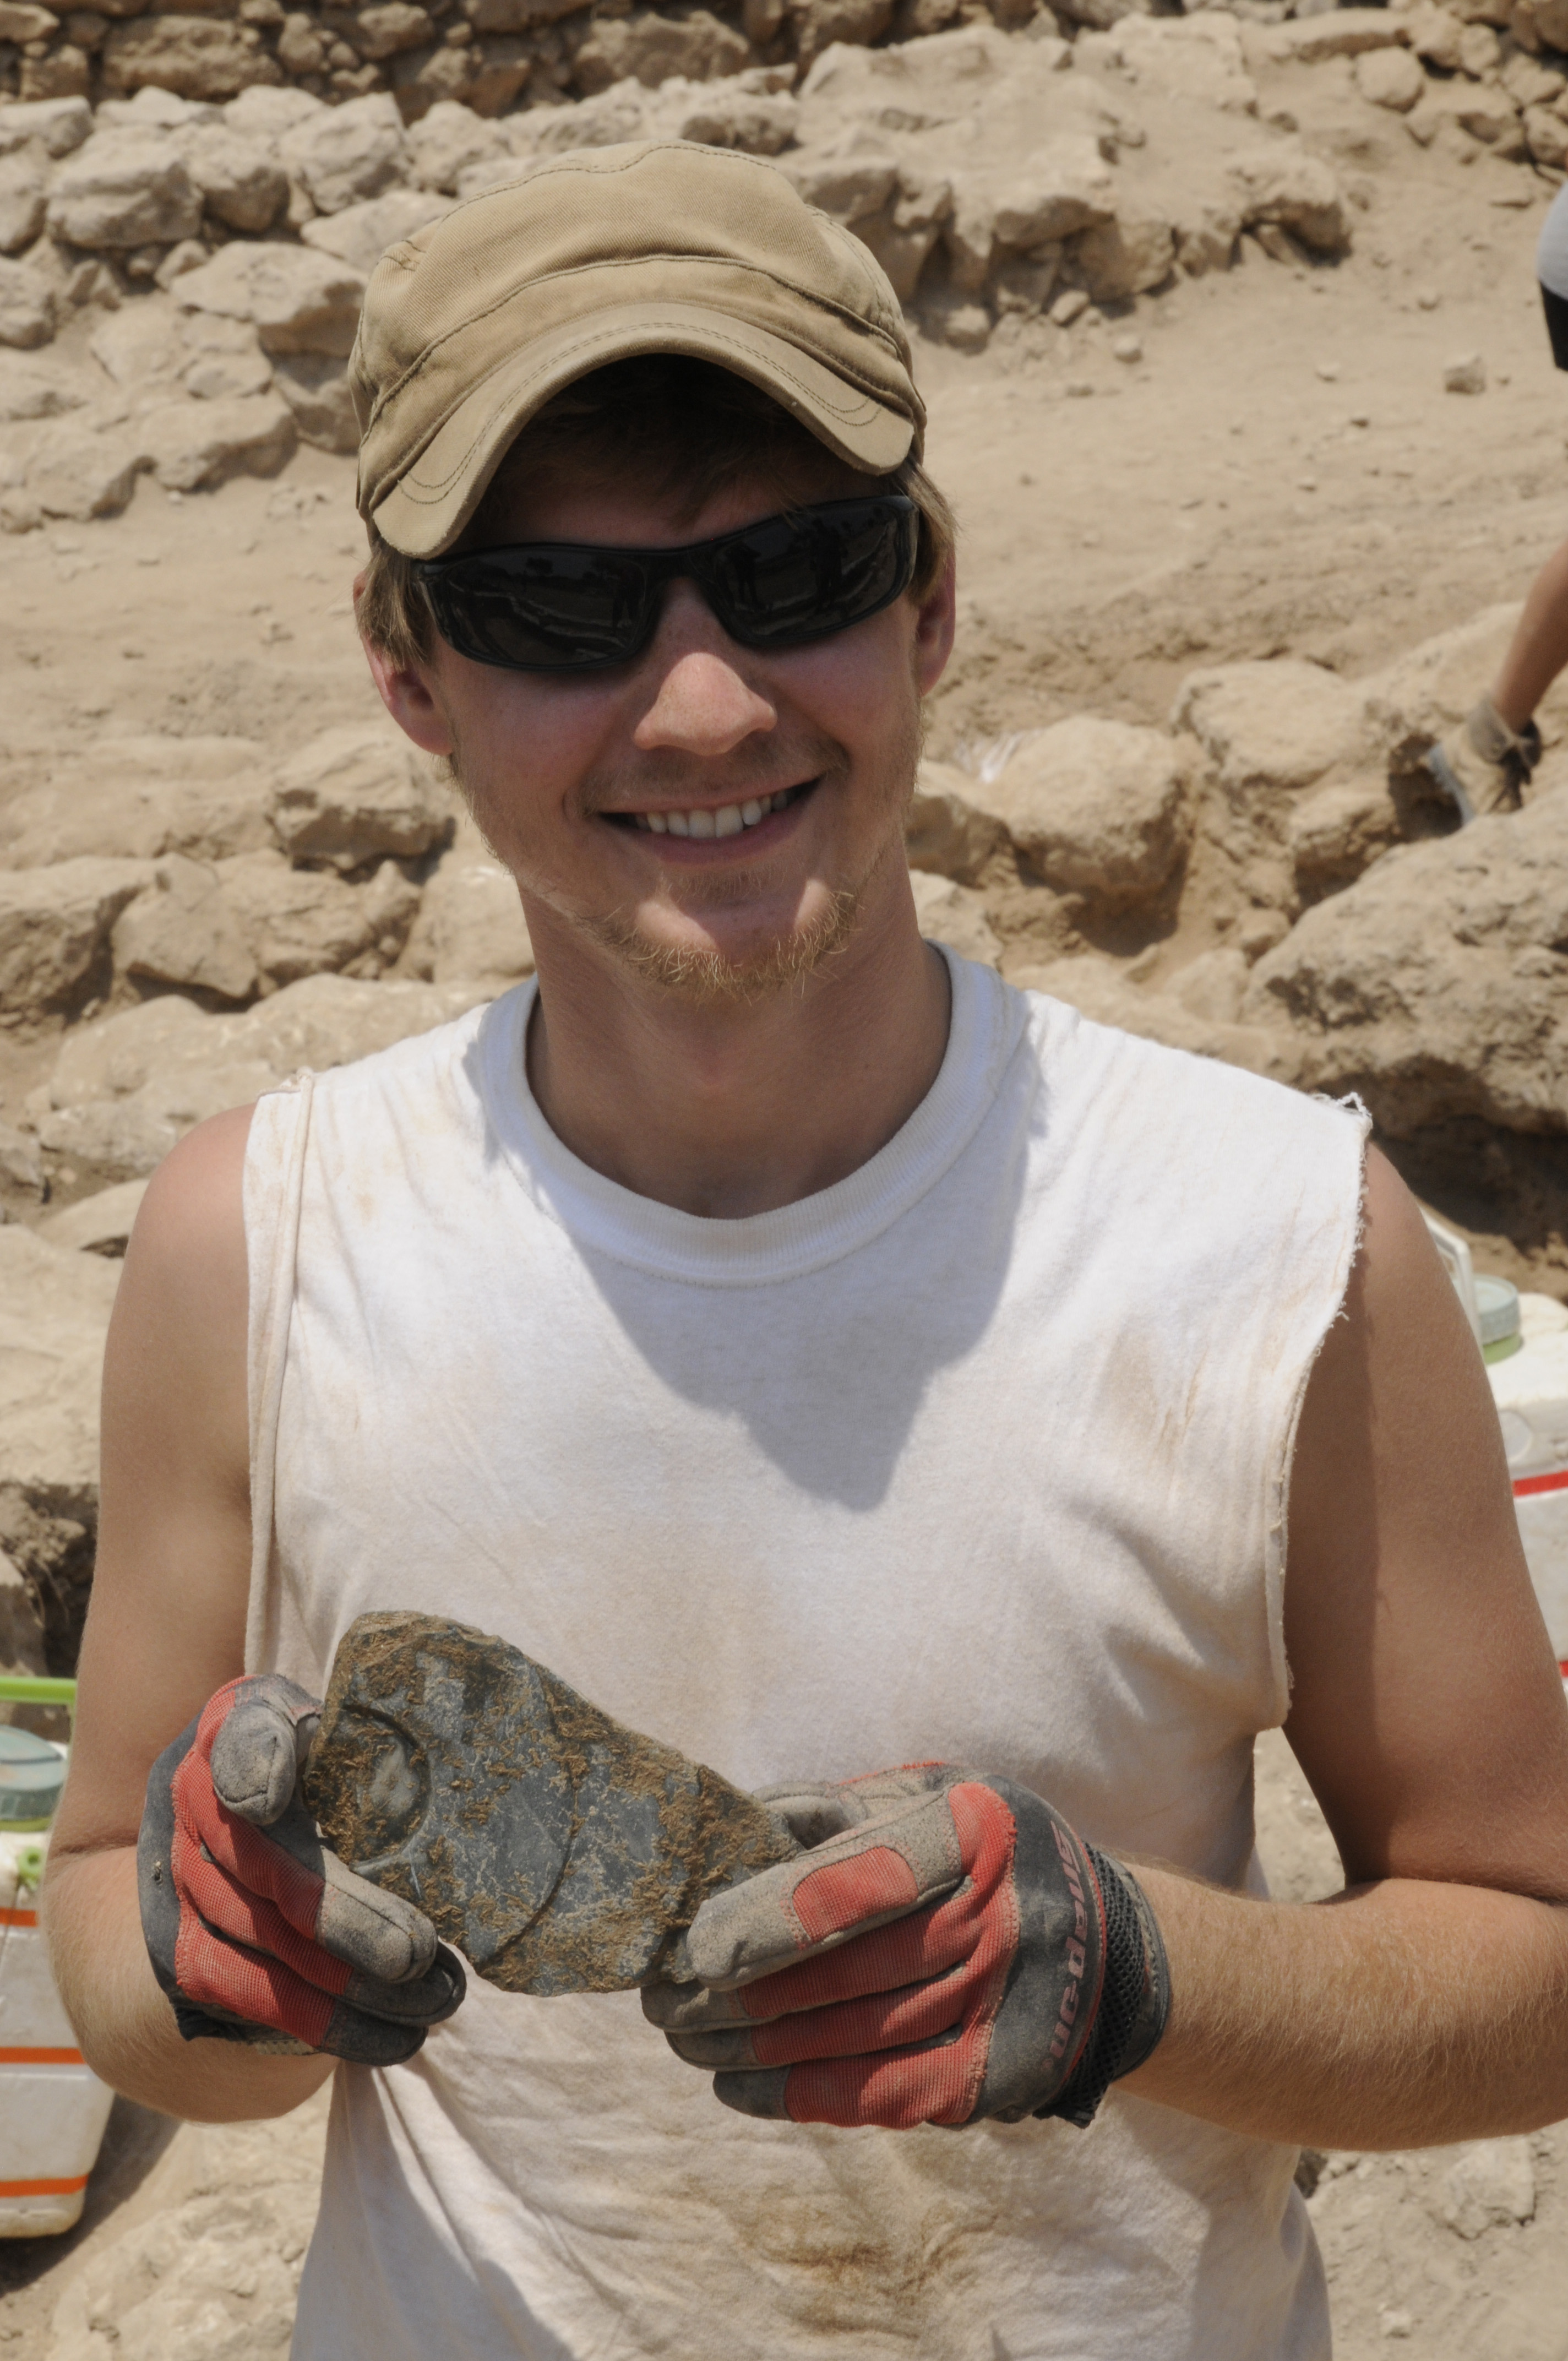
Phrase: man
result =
(825, 1358)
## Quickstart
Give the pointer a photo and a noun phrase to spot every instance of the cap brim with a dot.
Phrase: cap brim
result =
(428, 508)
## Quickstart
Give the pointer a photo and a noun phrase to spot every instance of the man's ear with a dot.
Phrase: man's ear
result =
(936, 620)
(407, 693)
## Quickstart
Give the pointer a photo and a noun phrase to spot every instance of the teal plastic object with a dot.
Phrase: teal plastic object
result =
(32, 1773)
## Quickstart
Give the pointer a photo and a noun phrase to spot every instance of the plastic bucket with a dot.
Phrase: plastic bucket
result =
(53, 2108)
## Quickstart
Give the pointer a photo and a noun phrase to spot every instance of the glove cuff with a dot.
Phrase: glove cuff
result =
(1135, 2000)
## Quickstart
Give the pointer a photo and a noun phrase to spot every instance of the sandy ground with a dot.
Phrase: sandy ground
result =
(1282, 473)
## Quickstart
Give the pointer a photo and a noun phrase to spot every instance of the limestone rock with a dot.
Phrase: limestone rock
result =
(470, 927)
(820, 24)
(1283, 185)
(955, 914)
(20, 1162)
(267, 114)
(361, 234)
(1390, 78)
(192, 446)
(300, 922)
(1211, 987)
(211, 2266)
(29, 391)
(138, 345)
(1098, 808)
(240, 181)
(447, 140)
(1487, 113)
(227, 362)
(26, 306)
(21, 198)
(299, 301)
(1099, 990)
(198, 56)
(58, 125)
(54, 1312)
(316, 387)
(728, 115)
(99, 1224)
(1129, 256)
(123, 188)
(154, 109)
(1337, 832)
(1271, 727)
(1199, 57)
(54, 929)
(356, 792)
(1490, 2184)
(949, 831)
(138, 798)
(184, 932)
(649, 49)
(1434, 984)
(349, 153)
(1342, 33)
(126, 1087)
(1066, 187)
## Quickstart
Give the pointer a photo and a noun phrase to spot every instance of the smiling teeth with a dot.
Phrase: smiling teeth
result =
(729, 819)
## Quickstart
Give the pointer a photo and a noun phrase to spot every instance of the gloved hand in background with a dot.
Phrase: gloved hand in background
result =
(949, 1949)
(256, 1932)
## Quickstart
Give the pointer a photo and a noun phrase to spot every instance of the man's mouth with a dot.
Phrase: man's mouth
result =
(710, 820)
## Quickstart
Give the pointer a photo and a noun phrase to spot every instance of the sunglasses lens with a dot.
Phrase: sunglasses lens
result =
(542, 609)
(798, 578)
(778, 583)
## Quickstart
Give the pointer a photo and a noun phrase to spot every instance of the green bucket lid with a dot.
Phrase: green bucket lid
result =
(32, 1773)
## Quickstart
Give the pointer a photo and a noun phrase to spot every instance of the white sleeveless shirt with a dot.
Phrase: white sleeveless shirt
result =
(981, 1455)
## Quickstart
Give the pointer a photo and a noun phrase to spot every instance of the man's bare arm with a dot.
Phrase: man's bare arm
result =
(166, 1627)
(1430, 2002)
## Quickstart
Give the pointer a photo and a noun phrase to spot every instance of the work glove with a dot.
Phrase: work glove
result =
(256, 1932)
(948, 1950)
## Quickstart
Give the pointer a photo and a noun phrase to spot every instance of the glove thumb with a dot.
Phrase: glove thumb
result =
(259, 1748)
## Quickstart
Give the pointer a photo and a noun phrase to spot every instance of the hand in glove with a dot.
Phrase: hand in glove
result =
(948, 1949)
(256, 1931)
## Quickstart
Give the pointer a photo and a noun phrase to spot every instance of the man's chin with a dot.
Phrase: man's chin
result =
(717, 974)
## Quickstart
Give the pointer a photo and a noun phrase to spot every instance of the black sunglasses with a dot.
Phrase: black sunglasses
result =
(565, 607)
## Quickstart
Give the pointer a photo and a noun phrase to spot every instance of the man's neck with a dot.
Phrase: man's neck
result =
(731, 1110)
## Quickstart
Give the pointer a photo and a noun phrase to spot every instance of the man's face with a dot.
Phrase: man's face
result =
(707, 816)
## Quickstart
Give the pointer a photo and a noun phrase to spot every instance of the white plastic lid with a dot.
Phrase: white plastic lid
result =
(1498, 1307)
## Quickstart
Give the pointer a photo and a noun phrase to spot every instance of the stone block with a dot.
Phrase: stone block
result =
(195, 57)
(21, 198)
(195, 445)
(349, 153)
(300, 300)
(240, 181)
(125, 189)
(54, 930)
(355, 793)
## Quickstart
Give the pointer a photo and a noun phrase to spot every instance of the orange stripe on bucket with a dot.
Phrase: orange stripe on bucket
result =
(41, 2058)
(19, 1917)
(42, 2188)
(1556, 1482)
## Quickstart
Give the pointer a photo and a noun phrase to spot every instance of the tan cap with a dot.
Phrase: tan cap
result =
(593, 256)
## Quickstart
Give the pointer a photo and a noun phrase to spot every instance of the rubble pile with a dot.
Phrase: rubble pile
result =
(184, 277)
(181, 267)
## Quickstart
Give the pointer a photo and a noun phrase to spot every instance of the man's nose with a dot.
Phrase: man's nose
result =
(702, 704)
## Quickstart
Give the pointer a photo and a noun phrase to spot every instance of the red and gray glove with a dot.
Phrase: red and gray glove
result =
(948, 1949)
(256, 1931)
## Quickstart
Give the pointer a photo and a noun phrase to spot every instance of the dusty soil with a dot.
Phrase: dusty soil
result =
(1282, 473)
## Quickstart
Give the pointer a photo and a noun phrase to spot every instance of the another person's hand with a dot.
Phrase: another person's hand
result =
(948, 1949)
(256, 1931)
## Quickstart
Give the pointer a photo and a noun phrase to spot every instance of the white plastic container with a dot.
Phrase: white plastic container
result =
(53, 2108)
(1530, 1386)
